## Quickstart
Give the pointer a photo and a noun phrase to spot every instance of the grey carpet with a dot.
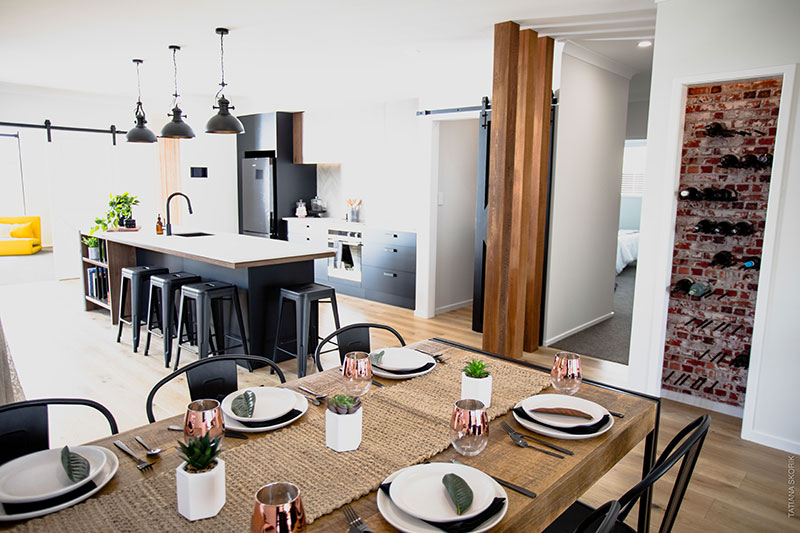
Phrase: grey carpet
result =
(610, 339)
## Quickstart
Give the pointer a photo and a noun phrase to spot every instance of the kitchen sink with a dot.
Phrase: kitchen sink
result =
(193, 234)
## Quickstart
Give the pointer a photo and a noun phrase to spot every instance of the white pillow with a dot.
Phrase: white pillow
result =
(6, 229)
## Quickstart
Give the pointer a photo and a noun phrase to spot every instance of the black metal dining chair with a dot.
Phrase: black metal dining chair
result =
(352, 338)
(213, 377)
(685, 445)
(24, 426)
(602, 520)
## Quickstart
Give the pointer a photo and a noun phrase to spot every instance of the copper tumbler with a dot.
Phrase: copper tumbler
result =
(357, 373)
(469, 427)
(203, 417)
(278, 509)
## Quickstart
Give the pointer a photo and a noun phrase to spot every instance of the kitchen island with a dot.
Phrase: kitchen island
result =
(258, 266)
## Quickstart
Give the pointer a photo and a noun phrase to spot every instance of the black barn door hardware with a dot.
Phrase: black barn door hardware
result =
(49, 127)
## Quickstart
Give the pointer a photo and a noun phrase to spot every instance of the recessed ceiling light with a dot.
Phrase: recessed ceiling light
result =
(644, 44)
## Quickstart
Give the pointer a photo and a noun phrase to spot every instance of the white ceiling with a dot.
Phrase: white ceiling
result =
(282, 52)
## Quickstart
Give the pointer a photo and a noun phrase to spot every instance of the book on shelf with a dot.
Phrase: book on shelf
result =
(97, 283)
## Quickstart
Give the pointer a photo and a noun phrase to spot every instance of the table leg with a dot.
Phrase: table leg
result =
(650, 452)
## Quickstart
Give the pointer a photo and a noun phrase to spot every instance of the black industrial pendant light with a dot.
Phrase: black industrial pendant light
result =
(140, 133)
(223, 122)
(176, 128)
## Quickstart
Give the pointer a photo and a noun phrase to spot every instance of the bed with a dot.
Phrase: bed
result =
(627, 248)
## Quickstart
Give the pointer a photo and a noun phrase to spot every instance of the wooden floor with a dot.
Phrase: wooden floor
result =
(61, 350)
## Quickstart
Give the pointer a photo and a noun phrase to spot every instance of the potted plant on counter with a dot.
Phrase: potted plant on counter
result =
(343, 423)
(476, 382)
(200, 478)
(121, 212)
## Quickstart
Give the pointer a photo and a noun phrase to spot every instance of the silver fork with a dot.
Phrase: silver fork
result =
(519, 441)
(356, 525)
(511, 431)
(141, 465)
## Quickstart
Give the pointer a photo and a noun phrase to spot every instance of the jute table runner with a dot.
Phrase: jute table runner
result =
(403, 425)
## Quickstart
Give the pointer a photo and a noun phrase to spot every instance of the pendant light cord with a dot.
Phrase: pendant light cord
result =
(221, 66)
(138, 82)
(175, 71)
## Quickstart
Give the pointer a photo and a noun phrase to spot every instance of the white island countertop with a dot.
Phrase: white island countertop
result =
(224, 249)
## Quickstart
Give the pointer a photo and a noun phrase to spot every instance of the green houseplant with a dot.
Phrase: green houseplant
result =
(200, 479)
(476, 382)
(121, 210)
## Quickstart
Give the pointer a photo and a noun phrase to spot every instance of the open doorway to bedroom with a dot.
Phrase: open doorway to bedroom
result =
(610, 339)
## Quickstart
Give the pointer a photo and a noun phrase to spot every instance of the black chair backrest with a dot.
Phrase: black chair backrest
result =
(24, 426)
(685, 445)
(213, 377)
(602, 520)
(353, 338)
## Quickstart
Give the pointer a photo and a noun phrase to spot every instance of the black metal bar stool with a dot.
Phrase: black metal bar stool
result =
(138, 278)
(208, 298)
(306, 299)
(161, 306)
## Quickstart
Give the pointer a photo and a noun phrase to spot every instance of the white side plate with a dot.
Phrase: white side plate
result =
(105, 475)
(562, 400)
(401, 358)
(408, 524)
(301, 404)
(556, 434)
(419, 491)
(271, 403)
(40, 475)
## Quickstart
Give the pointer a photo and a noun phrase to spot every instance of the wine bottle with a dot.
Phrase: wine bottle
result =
(726, 195)
(729, 161)
(705, 226)
(715, 129)
(749, 161)
(711, 193)
(751, 263)
(723, 228)
(743, 229)
(723, 259)
(765, 160)
(691, 194)
(682, 286)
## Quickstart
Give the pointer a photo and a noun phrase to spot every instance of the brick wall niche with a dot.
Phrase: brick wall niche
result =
(708, 337)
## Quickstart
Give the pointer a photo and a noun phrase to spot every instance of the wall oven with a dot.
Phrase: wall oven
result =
(346, 264)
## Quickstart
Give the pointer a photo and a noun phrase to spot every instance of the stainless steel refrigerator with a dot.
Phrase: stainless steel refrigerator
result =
(257, 194)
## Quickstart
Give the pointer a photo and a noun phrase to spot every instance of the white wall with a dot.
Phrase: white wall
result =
(716, 47)
(590, 136)
(638, 106)
(68, 181)
(455, 228)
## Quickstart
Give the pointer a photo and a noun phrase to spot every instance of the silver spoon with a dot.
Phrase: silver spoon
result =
(312, 393)
(311, 399)
(150, 451)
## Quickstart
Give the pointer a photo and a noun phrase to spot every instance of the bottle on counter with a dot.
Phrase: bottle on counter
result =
(159, 226)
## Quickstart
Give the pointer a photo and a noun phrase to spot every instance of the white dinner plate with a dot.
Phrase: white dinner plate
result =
(409, 524)
(420, 359)
(419, 491)
(271, 403)
(301, 404)
(562, 400)
(104, 476)
(401, 358)
(40, 475)
(577, 403)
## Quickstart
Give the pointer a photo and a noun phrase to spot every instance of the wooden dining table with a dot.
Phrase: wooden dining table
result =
(556, 482)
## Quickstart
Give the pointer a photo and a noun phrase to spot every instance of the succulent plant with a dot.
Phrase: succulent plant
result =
(476, 369)
(342, 404)
(200, 454)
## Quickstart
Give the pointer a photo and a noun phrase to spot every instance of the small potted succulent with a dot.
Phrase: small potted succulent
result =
(343, 423)
(200, 478)
(476, 382)
(93, 244)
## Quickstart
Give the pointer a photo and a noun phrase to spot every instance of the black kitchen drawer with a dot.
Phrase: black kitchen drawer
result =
(391, 281)
(385, 236)
(390, 256)
(391, 299)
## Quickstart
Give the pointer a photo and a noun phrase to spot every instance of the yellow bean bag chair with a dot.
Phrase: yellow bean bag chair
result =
(20, 235)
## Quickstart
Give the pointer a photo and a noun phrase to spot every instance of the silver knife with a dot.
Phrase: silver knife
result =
(378, 384)
(508, 484)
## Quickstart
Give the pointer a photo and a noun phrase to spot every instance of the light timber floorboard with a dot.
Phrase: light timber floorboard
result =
(61, 350)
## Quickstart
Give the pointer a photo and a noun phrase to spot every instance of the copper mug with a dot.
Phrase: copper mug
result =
(278, 509)
(469, 427)
(203, 417)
